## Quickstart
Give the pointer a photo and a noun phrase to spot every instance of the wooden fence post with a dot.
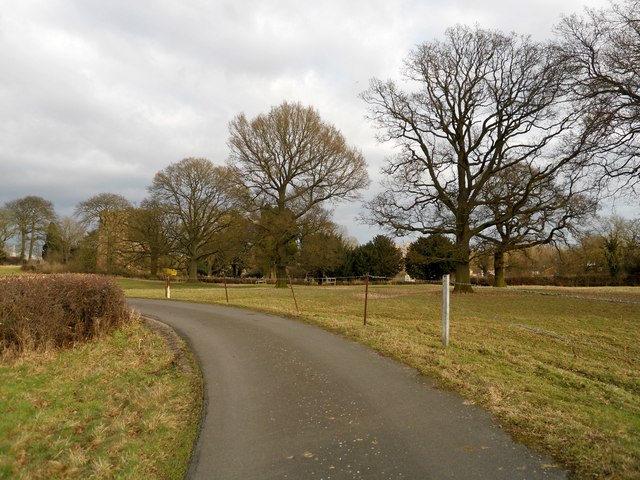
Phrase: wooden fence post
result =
(293, 294)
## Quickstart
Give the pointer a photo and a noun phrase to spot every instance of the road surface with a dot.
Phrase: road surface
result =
(285, 400)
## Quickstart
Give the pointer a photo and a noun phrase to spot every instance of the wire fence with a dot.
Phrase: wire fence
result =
(366, 281)
(355, 280)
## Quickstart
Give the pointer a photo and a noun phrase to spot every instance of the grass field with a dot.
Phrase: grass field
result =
(114, 408)
(559, 368)
(10, 270)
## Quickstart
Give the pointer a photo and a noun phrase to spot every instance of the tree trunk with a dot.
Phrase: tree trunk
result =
(32, 241)
(281, 275)
(280, 260)
(23, 246)
(153, 266)
(463, 278)
(463, 270)
(498, 265)
(193, 270)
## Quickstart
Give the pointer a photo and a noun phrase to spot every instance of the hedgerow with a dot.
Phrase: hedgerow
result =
(43, 311)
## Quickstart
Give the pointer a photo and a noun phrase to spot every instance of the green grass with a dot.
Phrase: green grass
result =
(10, 270)
(558, 367)
(113, 408)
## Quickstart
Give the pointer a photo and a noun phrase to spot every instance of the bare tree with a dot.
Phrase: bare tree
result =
(195, 196)
(149, 234)
(602, 49)
(7, 228)
(107, 212)
(289, 163)
(530, 209)
(479, 103)
(89, 211)
(71, 233)
(31, 215)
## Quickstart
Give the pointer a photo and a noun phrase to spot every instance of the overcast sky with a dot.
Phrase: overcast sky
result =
(97, 96)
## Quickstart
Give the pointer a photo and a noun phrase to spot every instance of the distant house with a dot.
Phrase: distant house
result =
(403, 276)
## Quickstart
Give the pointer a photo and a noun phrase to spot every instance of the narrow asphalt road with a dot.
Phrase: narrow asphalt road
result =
(285, 400)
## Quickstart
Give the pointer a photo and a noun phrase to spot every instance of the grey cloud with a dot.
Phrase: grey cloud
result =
(99, 95)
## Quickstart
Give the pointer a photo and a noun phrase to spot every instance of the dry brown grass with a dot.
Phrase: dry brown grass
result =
(111, 408)
(558, 367)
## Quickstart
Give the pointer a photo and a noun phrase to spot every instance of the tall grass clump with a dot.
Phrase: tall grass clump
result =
(44, 311)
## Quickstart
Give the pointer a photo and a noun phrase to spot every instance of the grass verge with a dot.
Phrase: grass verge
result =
(111, 408)
(559, 368)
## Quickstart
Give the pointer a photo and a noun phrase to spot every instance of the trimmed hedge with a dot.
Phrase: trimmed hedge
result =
(41, 311)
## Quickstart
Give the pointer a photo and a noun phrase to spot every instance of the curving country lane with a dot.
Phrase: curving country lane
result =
(285, 400)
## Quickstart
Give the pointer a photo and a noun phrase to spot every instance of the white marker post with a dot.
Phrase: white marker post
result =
(445, 310)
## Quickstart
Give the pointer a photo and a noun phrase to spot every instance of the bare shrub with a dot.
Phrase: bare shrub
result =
(42, 311)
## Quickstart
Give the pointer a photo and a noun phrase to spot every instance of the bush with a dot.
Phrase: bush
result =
(41, 311)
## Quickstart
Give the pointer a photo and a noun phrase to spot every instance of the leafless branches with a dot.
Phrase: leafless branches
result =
(289, 163)
(482, 103)
(196, 200)
(602, 49)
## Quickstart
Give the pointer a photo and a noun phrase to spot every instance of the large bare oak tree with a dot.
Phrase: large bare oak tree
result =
(475, 104)
(290, 163)
(195, 196)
